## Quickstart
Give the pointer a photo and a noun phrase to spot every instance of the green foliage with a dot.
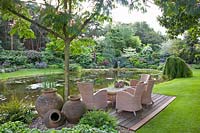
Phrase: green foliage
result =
(16, 110)
(30, 59)
(75, 67)
(180, 16)
(33, 56)
(80, 128)
(19, 127)
(19, 25)
(53, 57)
(87, 129)
(83, 60)
(13, 57)
(14, 127)
(83, 46)
(55, 44)
(148, 35)
(99, 119)
(175, 67)
(196, 66)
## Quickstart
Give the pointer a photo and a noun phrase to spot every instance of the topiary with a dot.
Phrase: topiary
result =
(175, 67)
(99, 119)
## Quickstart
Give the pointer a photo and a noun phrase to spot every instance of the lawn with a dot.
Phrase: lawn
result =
(183, 114)
(30, 72)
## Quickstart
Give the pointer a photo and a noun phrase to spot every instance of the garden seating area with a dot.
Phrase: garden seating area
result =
(126, 101)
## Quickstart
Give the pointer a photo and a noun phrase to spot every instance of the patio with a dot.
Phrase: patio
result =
(131, 122)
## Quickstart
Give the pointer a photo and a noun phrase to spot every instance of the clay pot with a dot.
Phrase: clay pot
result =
(49, 99)
(74, 109)
(54, 118)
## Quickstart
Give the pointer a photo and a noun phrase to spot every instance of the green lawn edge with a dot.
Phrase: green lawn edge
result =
(183, 114)
(30, 72)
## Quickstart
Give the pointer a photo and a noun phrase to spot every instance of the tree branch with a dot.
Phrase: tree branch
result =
(87, 21)
(82, 27)
(70, 7)
(35, 23)
(65, 5)
(57, 7)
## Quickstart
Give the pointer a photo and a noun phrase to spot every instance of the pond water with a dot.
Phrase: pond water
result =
(19, 88)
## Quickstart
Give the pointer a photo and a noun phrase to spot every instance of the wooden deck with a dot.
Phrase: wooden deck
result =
(129, 121)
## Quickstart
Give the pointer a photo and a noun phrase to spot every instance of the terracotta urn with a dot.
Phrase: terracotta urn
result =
(74, 109)
(49, 99)
(54, 118)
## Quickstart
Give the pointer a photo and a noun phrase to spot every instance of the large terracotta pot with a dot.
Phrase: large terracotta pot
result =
(74, 109)
(54, 118)
(48, 100)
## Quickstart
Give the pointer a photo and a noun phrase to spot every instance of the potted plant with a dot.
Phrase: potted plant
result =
(49, 99)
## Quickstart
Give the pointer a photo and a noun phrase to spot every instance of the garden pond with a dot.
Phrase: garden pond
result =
(29, 88)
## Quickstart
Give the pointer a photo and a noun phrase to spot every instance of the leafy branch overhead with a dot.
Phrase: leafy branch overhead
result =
(61, 18)
(179, 16)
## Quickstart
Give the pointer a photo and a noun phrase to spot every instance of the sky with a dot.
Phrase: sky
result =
(122, 14)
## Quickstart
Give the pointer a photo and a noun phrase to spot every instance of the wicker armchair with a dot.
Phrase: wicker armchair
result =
(146, 96)
(133, 82)
(130, 102)
(145, 77)
(92, 100)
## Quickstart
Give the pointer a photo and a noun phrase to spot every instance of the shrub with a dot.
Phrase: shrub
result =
(81, 128)
(14, 127)
(16, 110)
(20, 127)
(175, 67)
(52, 57)
(75, 67)
(196, 66)
(99, 119)
(40, 64)
(77, 129)
(33, 55)
(6, 64)
(83, 60)
(13, 57)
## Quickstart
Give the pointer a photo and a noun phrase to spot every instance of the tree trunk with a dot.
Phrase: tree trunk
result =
(11, 43)
(66, 73)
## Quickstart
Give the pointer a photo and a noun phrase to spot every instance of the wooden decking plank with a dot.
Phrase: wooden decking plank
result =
(112, 112)
(158, 98)
(154, 95)
(127, 120)
(126, 116)
(144, 111)
(147, 118)
(124, 121)
(143, 115)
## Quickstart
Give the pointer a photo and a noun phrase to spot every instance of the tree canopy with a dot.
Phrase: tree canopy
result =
(179, 16)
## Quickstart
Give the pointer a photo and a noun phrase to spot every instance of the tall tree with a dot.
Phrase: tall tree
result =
(63, 19)
(179, 16)
(148, 35)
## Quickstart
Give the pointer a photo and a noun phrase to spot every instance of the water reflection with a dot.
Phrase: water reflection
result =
(101, 79)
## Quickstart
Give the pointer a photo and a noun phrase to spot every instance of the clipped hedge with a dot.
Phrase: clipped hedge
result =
(175, 67)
